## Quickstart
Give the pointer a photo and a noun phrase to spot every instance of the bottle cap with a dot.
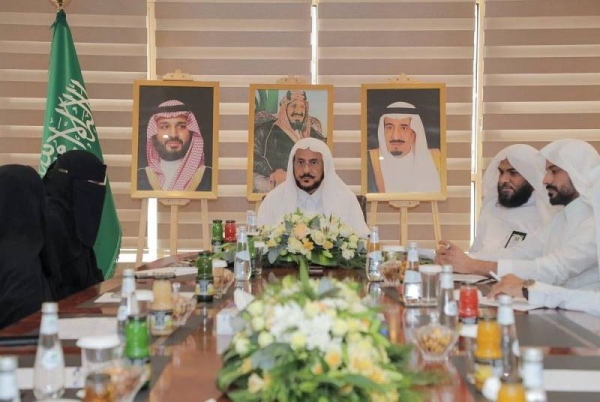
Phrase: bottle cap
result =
(8, 363)
(533, 354)
(413, 244)
(505, 300)
(49, 307)
(128, 272)
(447, 269)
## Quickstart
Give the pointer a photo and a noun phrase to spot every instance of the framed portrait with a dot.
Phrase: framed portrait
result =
(403, 144)
(175, 139)
(280, 115)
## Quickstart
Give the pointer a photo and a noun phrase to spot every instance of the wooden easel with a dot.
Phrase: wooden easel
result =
(173, 203)
(293, 80)
(404, 206)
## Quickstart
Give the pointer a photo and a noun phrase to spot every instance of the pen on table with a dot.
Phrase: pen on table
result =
(495, 276)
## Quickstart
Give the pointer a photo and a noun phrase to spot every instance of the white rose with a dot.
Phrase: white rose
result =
(298, 340)
(256, 308)
(255, 383)
(347, 254)
(295, 246)
(242, 346)
(258, 323)
(318, 237)
(265, 339)
(340, 327)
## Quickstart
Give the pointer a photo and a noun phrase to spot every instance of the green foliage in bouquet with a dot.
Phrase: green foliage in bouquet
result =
(315, 238)
(315, 340)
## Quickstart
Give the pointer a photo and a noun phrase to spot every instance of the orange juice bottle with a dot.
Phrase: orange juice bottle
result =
(512, 390)
(488, 354)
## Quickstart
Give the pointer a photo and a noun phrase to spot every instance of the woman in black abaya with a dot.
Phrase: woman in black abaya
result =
(28, 274)
(75, 190)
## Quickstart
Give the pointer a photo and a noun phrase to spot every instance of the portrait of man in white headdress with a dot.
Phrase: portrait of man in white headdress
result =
(175, 140)
(403, 145)
(280, 118)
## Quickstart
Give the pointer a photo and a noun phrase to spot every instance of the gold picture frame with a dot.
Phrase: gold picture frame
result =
(397, 121)
(268, 143)
(160, 178)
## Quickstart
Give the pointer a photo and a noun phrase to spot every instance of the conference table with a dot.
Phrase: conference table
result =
(185, 363)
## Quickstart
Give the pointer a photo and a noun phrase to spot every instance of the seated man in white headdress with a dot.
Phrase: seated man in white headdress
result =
(565, 251)
(515, 203)
(403, 162)
(313, 186)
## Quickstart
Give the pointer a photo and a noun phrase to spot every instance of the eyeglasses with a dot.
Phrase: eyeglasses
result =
(312, 164)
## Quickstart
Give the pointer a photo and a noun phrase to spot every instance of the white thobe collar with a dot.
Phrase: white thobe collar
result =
(311, 203)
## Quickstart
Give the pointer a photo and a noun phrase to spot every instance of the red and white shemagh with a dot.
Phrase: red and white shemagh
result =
(283, 120)
(193, 159)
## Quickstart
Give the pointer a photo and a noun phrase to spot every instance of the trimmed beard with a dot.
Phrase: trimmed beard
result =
(312, 187)
(562, 197)
(171, 155)
(520, 197)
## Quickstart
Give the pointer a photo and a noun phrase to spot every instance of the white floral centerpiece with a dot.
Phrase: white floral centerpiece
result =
(315, 340)
(314, 238)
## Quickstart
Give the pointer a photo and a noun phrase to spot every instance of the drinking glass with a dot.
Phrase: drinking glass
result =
(430, 277)
(218, 268)
(394, 264)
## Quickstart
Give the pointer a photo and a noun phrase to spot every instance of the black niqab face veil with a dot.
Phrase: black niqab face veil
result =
(77, 181)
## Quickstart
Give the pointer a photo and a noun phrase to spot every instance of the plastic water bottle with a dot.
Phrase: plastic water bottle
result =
(9, 390)
(532, 371)
(447, 306)
(241, 267)
(49, 367)
(413, 286)
(374, 257)
(127, 288)
(509, 342)
(251, 222)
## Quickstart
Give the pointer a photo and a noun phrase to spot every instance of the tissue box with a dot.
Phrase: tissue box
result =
(225, 321)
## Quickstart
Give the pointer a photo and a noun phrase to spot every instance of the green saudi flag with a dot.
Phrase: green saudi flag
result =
(69, 124)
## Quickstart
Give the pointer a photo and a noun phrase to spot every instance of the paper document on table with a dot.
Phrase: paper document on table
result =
(518, 303)
(572, 380)
(75, 328)
(73, 377)
(178, 271)
(115, 297)
(470, 278)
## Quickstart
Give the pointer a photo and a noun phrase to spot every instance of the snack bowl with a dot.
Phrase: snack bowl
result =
(435, 341)
(127, 381)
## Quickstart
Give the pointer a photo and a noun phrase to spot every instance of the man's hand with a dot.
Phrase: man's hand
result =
(509, 284)
(277, 177)
(450, 253)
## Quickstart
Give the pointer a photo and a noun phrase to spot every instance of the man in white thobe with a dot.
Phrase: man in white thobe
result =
(544, 295)
(565, 251)
(313, 186)
(515, 203)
